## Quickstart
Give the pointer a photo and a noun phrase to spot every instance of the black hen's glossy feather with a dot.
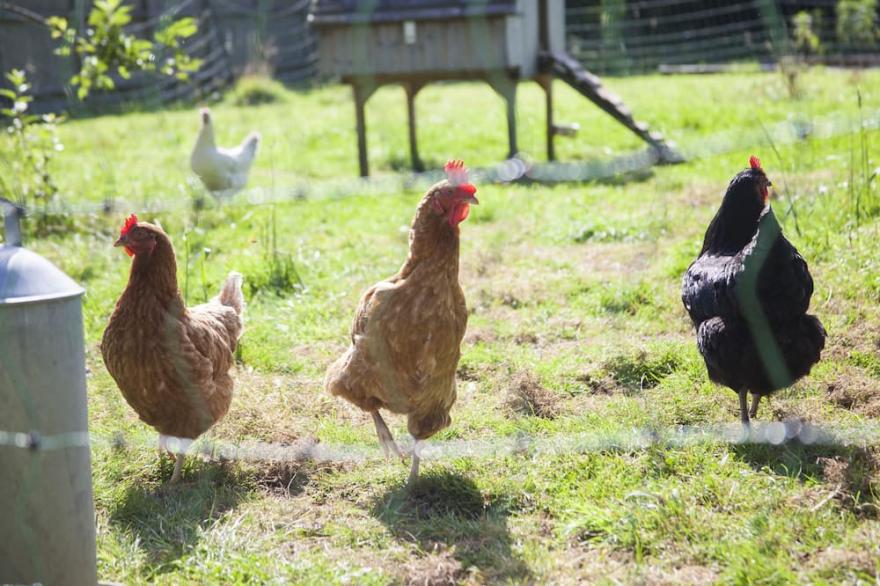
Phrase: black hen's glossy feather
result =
(734, 359)
(713, 284)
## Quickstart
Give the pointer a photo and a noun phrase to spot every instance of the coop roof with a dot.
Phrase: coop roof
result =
(356, 11)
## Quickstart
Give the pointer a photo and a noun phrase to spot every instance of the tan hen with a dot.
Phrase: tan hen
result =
(406, 335)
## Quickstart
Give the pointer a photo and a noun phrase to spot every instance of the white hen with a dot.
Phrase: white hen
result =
(223, 171)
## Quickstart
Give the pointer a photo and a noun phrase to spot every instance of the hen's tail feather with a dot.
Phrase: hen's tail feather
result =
(251, 143)
(230, 293)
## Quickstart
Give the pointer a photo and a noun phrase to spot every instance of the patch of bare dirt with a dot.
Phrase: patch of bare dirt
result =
(526, 339)
(467, 373)
(854, 478)
(861, 556)
(438, 568)
(589, 564)
(510, 296)
(480, 337)
(526, 396)
(283, 478)
(862, 335)
(836, 559)
(482, 263)
(700, 194)
(273, 407)
(511, 300)
(687, 574)
(597, 384)
(610, 258)
(856, 392)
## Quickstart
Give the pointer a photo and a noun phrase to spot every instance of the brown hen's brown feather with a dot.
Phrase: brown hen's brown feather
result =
(407, 332)
(172, 362)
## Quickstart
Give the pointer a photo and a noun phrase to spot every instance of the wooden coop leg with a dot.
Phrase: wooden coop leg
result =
(506, 88)
(362, 92)
(411, 90)
(546, 82)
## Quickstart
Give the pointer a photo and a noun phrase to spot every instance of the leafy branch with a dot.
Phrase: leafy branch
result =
(105, 49)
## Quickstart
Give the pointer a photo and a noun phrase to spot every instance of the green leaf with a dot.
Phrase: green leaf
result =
(57, 22)
(58, 25)
(120, 17)
(180, 29)
(16, 77)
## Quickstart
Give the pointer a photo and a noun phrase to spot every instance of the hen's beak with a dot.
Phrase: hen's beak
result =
(121, 241)
(469, 190)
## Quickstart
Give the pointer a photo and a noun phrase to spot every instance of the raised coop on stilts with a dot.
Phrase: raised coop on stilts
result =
(416, 42)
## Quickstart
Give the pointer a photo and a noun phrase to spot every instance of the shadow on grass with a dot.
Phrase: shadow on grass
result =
(447, 510)
(168, 520)
(853, 471)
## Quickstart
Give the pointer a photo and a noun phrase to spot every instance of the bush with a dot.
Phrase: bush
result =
(28, 178)
(252, 90)
(804, 36)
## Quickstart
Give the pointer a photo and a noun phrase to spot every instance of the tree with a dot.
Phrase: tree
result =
(857, 22)
(104, 49)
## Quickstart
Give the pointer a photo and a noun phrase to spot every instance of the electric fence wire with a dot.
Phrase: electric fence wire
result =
(702, 30)
(776, 433)
(785, 132)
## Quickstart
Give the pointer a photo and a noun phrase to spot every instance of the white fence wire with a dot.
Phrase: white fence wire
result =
(527, 445)
(785, 132)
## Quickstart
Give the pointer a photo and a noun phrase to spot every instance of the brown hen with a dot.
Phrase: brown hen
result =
(407, 331)
(171, 362)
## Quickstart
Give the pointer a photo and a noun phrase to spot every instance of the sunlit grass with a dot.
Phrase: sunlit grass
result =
(573, 287)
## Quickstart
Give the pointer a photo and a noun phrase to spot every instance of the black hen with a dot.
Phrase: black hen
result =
(748, 293)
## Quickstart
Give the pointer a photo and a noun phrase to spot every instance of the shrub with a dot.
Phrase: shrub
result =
(252, 90)
(29, 180)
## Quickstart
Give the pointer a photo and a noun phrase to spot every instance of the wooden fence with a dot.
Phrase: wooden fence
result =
(234, 36)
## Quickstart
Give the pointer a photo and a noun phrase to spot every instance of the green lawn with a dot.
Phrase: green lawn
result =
(576, 327)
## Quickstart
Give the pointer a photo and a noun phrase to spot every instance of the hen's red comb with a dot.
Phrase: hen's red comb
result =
(755, 163)
(129, 224)
(456, 172)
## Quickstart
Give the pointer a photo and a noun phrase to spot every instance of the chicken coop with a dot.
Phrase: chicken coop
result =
(416, 42)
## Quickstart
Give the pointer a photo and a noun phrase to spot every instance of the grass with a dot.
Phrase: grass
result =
(576, 327)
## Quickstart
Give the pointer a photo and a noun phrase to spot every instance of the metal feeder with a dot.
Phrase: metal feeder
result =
(47, 522)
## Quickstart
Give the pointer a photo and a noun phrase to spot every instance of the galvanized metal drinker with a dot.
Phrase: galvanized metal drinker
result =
(47, 515)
